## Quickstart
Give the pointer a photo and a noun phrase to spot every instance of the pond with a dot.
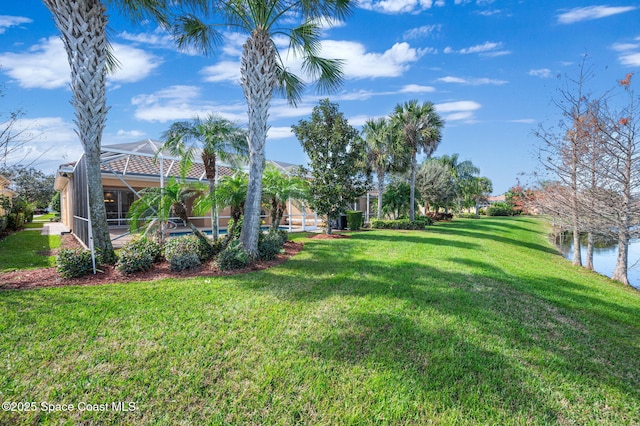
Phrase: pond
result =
(604, 258)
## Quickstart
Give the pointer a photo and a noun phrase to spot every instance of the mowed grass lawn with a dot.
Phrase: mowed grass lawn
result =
(470, 322)
(27, 249)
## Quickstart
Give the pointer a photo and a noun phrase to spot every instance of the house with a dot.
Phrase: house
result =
(5, 191)
(492, 200)
(130, 167)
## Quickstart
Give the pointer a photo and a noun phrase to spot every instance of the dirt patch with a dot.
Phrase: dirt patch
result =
(48, 277)
(327, 237)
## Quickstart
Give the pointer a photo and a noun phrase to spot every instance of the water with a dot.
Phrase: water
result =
(604, 258)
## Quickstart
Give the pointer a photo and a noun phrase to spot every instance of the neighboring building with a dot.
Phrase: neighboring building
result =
(491, 200)
(128, 168)
(5, 191)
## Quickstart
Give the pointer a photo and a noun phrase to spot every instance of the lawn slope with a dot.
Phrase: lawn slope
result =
(474, 321)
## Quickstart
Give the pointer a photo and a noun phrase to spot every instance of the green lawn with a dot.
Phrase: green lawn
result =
(470, 322)
(27, 250)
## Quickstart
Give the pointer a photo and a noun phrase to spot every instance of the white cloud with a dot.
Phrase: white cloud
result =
(279, 133)
(130, 134)
(51, 142)
(524, 121)
(45, 65)
(486, 49)
(579, 14)
(182, 103)
(421, 32)
(631, 59)
(472, 81)
(398, 6)
(362, 64)
(629, 53)
(458, 110)
(7, 21)
(222, 71)
(541, 72)
(416, 88)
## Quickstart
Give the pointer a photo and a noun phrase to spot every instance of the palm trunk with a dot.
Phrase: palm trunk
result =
(209, 161)
(258, 78)
(412, 197)
(82, 25)
(380, 191)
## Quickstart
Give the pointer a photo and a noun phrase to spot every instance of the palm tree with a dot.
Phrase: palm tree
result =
(232, 192)
(420, 127)
(384, 153)
(157, 205)
(218, 138)
(262, 69)
(277, 189)
(83, 29)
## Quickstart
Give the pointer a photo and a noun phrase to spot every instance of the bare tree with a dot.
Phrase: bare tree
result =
(561, 155)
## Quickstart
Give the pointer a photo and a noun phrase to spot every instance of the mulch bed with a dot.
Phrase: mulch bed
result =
(48, 277)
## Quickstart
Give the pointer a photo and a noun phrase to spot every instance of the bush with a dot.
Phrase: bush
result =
(500, 209)
(233, 257)
(3, 223)
(269, 245)
(419, 223)
(439, 216)
(184, 252)
(138, 255)
(15, 221)
(354, 220)
(74, 263)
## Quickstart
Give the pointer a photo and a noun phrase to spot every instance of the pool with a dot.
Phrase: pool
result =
(220, 231)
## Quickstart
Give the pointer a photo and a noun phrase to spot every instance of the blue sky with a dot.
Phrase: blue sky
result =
(491, 68)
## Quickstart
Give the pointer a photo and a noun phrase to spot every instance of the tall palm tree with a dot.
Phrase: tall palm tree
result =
(83, 29)
(277, 189)
(420, 127)
(384, 153)
(217, 138)
(262, 69)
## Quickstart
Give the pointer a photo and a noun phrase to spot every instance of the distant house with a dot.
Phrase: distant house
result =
(491, 200)
(130, 167)
(5, 191)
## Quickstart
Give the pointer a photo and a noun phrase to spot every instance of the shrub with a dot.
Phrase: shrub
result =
(15, 221)
(500, 209)
(354, 220)
(233, 257)
(74, 263)
(439, 216)
(138, 255)
(184, 252)
(3, 223)
(269, 245)
(419, 223)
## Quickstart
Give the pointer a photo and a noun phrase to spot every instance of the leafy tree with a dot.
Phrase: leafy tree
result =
(262, 69)
(384, 152)
(277, 189)
(217, 138)
(157, 205)
(420, 127)
(335, 150)
(436, 184)
(475, 191)
(83, 29)
(31, 184)
(462, 172)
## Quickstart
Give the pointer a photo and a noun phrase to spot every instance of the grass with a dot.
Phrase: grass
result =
(25, 250)
(470, 322)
